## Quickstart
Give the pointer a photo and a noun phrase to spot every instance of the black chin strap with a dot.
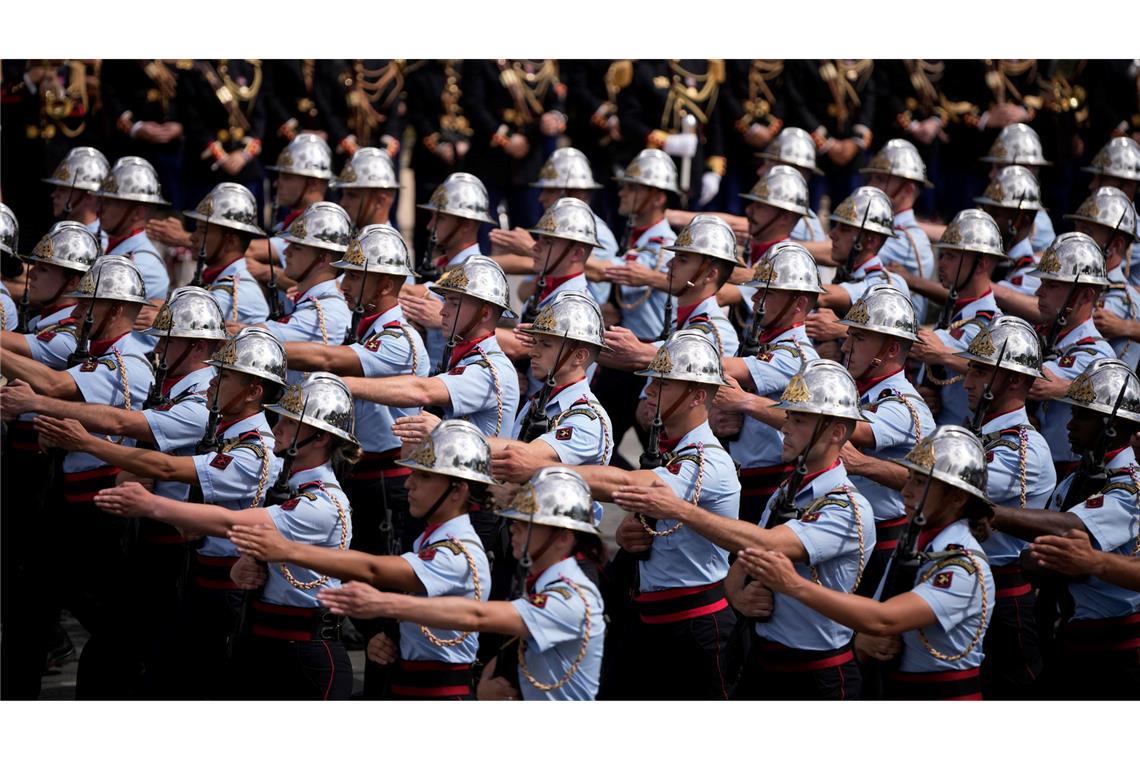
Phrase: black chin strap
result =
(439, 502)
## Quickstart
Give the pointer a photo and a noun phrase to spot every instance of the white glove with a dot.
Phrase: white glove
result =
(681, 146)
(710, 186)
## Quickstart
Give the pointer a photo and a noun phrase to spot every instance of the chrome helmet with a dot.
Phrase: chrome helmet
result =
(228, 205)
(953, 455)
(479, 277)
(899, 158)
(651, 168)
(688, 356)
(869, 209)
(707, 235)
(133, 179)
(9, 231)
(1120, 158)
(118, 279)
(787, 266)
(462, 195)
(1017, 144)
(369, 168)
(822, 387)
(457, 449)
(573, 316)
(1011, 338)
(1070, 256)
(322, 225)
(1014, 187)
(569, 219)
(781, 187)
(321, 401)
(972, 230)
(1109, 207)
(557, 497)
(377, 249)
(306, 155)
(69, 245)
(794, 147)
(1099, 388)
(254, 351)
(566, 169)
(884, 310)
(190, 312)
(83, 168)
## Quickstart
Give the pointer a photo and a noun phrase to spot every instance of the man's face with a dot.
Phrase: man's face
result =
(862, 346)
(760, 217)
(298, 259)
(775, 305)
(214, 236)
(352, 200)
(892, 186)
(798, 430)
(290, 188)
(544, 354)
(226, 386)
(424, 488)
(1006, 218)
(1051, 297)
(683, 268)
(954, 264)
(46, 280)
(351, 285)
(632, 198)
(842, 239)
(1085, 428)
(114, 215)
(664, 393)
(466, 309)
(59, 200)
(975, 380)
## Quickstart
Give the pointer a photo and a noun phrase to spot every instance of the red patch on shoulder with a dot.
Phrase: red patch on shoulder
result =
(290, 505)
(1094, 502)
(538, 600)
(88, 366)
(372, 344)
(563, 434)
(427, 555)
(1015, 280)
(989, 456)
(810, 518)
(221, 461)
(45, 335)
(957, 333)
(1067, 361)
(943, 580)
(457, 370)
(674, 467)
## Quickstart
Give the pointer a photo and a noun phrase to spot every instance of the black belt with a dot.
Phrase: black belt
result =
(941, 684)
(432, 679)
(286, 623)
(779, 658)
(1119, 634)
(214, 572)
(375, 466)
(887, 533)
(675, 604)
(1010, 581)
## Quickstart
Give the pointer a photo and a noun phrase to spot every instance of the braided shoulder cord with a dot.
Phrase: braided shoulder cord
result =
(980, 630)
(607, 438)
(321, 319)
(565, 679)
(342, 518)
(458, 547)
(858, 532)
(498, 388)
(695, 500)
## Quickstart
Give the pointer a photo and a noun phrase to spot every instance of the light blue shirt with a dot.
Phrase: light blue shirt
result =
(1112, 518)
(830, 533)
(444, 571)
(607, 252)
(386, 350)
(304, 323)
(139, 249)
(52, 338)
(1043, 234)
(968, 320)
(808, 228)
(646, 313)
(100, 381)
(780, 357)
(251, 307)
(482, 389)
(1122, 298)
(953, 591)
(319, 515)
(1024, 262)
(580, 426)
(685, 558)
(1002, 437)
(1078, 347)
(230, 477)
(911, 248)
(9, 313)
(555, 617)
(177, 426)
(871, 272)
(885, 404)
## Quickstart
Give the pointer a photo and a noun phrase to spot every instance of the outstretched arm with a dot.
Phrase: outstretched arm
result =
(130, 499)
(18, 397)
(43, 379)
(70, 435)
(452, 612)
(404, 391)
(313, 357)
(265, 542)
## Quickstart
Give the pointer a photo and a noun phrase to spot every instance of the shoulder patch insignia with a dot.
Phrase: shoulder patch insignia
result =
(943, 580)
(427, 554)
(457, 370)
(1067, 360)
(290, 505)
(1094, 502)
(372, 344)
(221, 461)
(538, 600)
(564, 434)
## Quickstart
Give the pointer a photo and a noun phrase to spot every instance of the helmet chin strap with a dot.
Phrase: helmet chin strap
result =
(690, 284)
(876, 361)
(439, 502)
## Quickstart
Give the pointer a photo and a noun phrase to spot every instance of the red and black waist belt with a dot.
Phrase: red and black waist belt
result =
(377, 465)
(286, 623)
(762, 481)
(955, 685)
(1117, 634)
(430, 679)
(160, 534)
(888, 532)
(22, 436)
(674, 604)
(779, 658)
(213, 572)
(1010, 581)
(81, 487)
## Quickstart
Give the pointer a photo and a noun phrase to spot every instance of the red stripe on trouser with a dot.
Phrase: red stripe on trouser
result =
(887, 533)
(779, 658)
(676, 604)
(1009, 582)
(429, 678)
